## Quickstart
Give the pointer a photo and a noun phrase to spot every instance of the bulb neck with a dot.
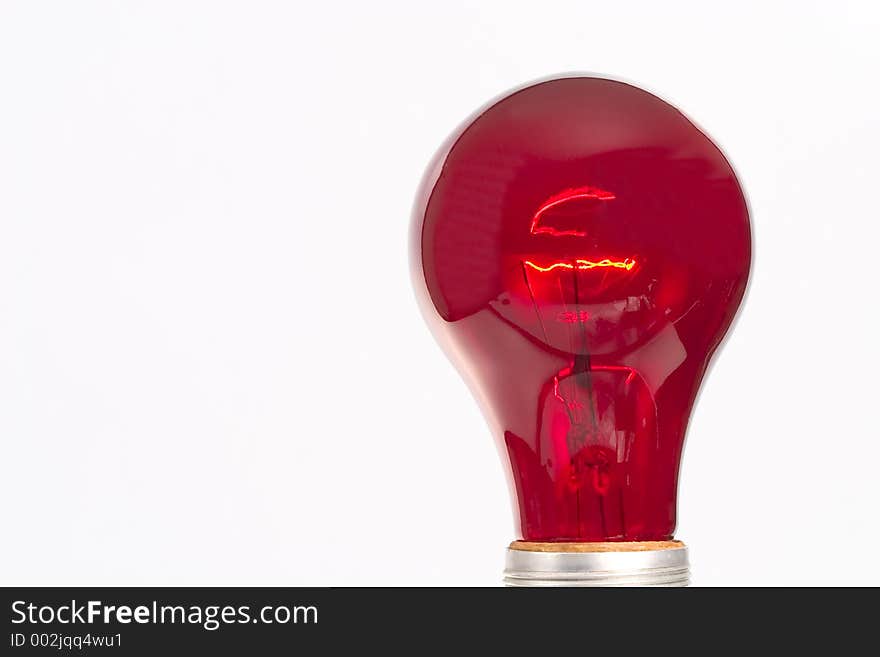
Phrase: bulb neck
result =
(625, 563)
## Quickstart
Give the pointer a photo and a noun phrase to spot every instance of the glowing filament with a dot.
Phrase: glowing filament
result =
(627, 264)
(564, 197)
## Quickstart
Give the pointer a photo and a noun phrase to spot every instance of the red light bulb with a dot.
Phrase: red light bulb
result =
(580, 249)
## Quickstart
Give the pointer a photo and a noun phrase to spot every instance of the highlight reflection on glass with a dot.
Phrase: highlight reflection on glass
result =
(580, 249)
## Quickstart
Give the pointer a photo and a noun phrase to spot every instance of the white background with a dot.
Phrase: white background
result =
(212, 368)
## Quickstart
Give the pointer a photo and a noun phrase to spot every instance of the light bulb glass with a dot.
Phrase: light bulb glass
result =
(580, 249)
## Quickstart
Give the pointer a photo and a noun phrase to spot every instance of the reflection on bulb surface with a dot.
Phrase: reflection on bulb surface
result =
(580, 249)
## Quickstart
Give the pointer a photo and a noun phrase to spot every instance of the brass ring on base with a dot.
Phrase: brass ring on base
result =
(625, 563)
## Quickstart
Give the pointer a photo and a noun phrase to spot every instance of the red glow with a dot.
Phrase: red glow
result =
(627, 264)
(588, 373)
(562, 197)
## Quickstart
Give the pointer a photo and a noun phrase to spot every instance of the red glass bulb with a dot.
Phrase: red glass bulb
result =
(580, 249)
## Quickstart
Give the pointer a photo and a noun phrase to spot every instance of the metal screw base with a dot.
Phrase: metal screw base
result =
(628, 566)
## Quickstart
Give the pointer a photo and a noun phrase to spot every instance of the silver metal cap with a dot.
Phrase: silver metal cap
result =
(661, 567)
